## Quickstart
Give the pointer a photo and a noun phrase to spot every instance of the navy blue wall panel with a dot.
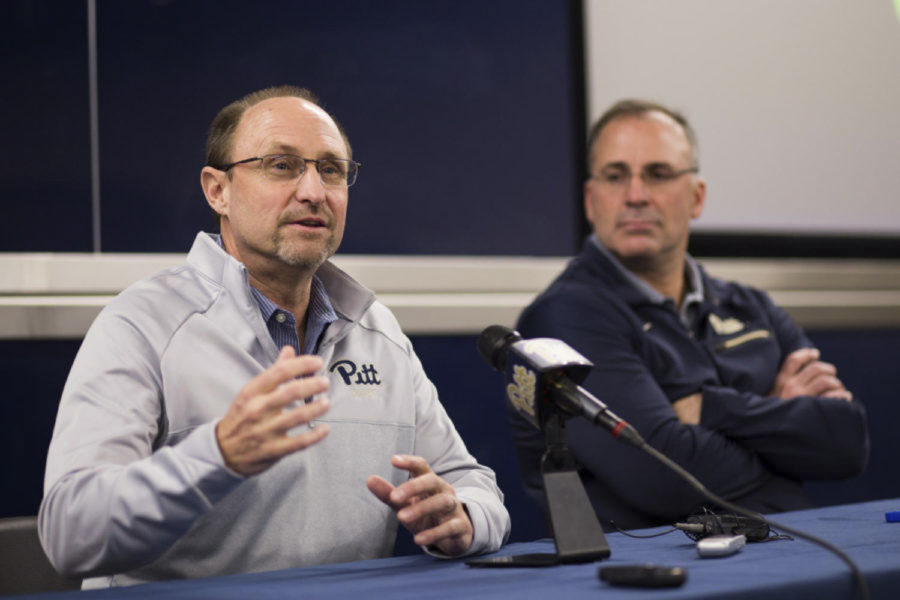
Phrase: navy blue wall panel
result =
(460, 111)
(867, 364)
(45, 154)
(33, 373)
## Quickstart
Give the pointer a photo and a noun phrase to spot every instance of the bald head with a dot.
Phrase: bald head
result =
(220, 142)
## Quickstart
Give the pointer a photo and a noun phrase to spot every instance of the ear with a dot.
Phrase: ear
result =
(588, 202)
(699, 198)
(213, 182)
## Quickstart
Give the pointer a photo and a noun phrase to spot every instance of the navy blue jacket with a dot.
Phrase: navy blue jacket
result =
(749, 448)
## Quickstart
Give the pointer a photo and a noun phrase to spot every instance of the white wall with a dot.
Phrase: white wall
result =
(796, 103)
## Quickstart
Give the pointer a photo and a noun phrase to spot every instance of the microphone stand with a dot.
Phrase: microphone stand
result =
(572, 521)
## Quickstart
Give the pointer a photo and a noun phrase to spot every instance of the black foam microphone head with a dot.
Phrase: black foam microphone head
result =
(493, 345)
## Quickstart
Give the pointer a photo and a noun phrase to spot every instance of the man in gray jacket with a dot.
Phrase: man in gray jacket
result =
(227, 416)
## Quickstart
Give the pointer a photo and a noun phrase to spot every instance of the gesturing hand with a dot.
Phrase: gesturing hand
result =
(253, 435)
(803, 374)
(427, 506)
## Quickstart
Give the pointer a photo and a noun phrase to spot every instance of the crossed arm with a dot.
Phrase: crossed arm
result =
(801, 374)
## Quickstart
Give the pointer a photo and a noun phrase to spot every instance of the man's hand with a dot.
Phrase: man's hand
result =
(803, 374)
(253, 435)
(427, 506)
(688, 409)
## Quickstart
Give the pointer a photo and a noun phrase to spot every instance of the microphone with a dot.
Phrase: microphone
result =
(544, 374)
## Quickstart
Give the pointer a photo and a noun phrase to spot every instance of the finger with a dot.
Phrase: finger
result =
(823, 384)
(279, 447)
(423, 485)
(451, 528)
(284, 369)
(792, 364)
(815, 369)
(296, 416)
(381, 488)
(840, 394)
(272, 449)
(798, 358)
(438, 507)
(296, 389)
(265, 407)
(416, 465)
(802, 383)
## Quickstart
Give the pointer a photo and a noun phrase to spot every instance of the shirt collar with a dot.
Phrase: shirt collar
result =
(693, 282)
(319, 313)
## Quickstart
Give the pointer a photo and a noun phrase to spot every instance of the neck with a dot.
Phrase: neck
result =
(666, 276)
(291, 295)
(288, 286)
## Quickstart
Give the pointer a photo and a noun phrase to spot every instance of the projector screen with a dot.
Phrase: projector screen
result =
(796, 103)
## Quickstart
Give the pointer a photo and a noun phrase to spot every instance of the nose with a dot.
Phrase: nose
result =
(637, 191)
(309, 186)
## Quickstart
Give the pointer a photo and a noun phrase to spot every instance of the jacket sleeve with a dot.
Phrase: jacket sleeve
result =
(621, 379)
(112, 500)
(805, 437)
(475, 485)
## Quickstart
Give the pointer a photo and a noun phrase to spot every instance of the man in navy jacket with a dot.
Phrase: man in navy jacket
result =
(711, 373)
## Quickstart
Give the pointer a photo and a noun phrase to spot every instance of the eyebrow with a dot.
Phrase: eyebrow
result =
(289, 149)
(623, 165)
(659, 164)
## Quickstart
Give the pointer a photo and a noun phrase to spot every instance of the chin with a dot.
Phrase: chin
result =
(304, 261)
(308, 254)
(636, 249)
(306, 258)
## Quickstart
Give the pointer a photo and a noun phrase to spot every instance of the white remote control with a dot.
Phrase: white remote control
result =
(720, 545)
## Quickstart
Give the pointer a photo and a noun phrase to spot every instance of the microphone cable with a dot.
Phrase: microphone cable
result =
(695, 483)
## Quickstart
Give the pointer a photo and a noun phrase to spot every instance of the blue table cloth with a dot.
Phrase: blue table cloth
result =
(770, 570)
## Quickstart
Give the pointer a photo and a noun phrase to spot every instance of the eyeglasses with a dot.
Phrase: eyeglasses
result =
(618, 178)
(333, 172)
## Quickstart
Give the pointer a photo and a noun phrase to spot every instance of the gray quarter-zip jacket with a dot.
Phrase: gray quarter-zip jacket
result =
(136, 489)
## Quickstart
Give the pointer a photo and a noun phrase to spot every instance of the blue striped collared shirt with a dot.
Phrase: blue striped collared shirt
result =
(283, 327)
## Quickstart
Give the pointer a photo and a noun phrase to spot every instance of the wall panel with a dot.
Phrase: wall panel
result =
(45, 154)
(461, 113)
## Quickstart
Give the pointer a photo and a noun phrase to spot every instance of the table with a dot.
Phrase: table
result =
(770, 570)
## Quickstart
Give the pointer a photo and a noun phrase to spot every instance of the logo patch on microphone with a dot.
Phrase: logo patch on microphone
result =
(521, 391)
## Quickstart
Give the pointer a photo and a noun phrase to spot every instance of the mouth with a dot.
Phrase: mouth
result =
(309, 222)
(638, 224)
